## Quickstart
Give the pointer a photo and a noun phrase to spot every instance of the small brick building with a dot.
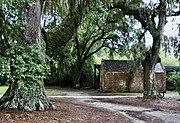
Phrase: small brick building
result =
(115, 77)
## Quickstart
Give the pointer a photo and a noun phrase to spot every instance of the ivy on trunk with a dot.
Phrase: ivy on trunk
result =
(27, 67)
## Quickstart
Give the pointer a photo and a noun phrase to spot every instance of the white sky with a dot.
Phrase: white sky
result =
(170, 29)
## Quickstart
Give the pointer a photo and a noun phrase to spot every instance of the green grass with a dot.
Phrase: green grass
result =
(52, 92)
(168, 61)
(48, 91)
(3, 89)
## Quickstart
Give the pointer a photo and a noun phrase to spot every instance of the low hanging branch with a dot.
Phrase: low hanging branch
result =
(62, 34)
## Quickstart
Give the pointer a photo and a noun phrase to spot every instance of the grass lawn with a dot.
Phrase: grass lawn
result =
(3, 89)
(52, 92)
(48, 91)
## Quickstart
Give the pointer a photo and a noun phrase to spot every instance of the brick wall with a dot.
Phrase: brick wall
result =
(120, 81)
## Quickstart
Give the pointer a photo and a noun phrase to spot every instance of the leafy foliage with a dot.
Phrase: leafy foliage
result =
(175, 78)
(172, 44)
(61, 65)
(27, 67)
(12, 22)
(86, 76)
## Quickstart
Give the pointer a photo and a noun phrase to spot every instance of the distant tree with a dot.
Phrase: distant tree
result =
(90, 37)
(60, 33)
(95, 32)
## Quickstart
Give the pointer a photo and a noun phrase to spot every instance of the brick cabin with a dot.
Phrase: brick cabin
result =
(115, 77)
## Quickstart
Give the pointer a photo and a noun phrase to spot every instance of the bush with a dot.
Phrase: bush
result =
(169, 84)
(87, 74)
(175, 78)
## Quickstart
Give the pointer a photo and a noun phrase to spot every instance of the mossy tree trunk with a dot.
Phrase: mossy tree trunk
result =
(78, 65)
(31, 100)
(63, 33)
(152, 56)
(150, 83)
(28, 98)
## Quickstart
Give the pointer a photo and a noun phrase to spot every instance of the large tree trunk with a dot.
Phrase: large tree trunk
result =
(2, 46)
(1, 22)
(150, 83)
(152, 57)
(150, 86)
(32, 13)
(33, 98)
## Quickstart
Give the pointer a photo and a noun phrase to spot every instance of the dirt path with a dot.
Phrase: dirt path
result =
(88, 106)
(136, 114)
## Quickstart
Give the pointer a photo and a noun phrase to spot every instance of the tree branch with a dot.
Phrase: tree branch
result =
(63, 33)
(143, 15)
(77, 47)
(87, 38)
(93, 42)
(90, 54)
(177, 13)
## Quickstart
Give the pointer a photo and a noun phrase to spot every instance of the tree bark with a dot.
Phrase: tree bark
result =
(64, 32)
(34, 98)
(1, 22)
(77, 76)
(150, 86)
(2, 45)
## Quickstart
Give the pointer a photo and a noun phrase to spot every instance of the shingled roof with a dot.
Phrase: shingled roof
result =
(172, 68)
(117, 65)
(125, 66)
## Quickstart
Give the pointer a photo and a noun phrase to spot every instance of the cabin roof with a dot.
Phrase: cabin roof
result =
(125, 66)
(172, 68)
(117, 65)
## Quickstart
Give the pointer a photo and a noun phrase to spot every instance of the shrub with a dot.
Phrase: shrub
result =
(175, 78)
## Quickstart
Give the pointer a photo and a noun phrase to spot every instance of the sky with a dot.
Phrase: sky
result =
(170, 29)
